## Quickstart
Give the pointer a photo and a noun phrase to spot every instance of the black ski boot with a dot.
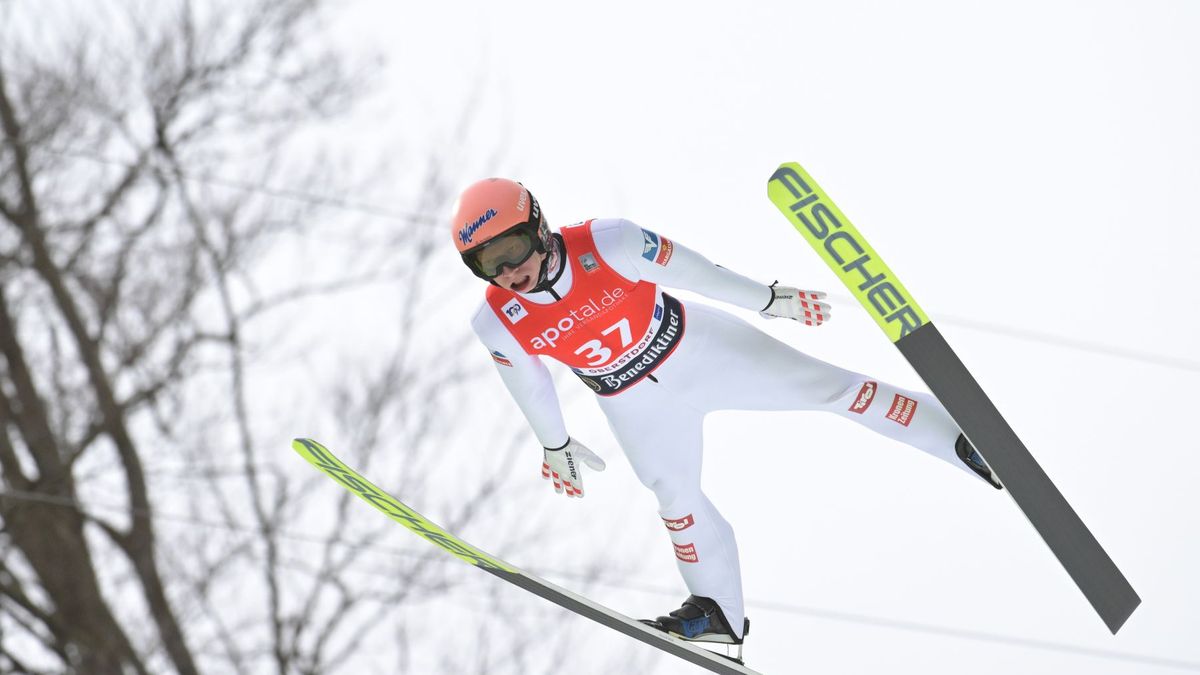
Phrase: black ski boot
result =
(701, 620)
(971, 457)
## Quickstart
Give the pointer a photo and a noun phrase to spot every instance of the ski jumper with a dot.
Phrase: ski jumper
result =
(659, 366)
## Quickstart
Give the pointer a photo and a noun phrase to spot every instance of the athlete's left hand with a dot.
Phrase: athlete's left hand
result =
(793, 303)
(561, 465)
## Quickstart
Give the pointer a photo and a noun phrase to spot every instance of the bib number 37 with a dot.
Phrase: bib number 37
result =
(595, 351)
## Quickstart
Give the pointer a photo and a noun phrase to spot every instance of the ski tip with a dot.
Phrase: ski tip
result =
(308, 446)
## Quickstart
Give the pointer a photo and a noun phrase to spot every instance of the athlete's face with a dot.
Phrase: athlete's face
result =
(524, 276)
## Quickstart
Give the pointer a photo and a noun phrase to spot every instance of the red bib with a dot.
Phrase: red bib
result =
(610, 331)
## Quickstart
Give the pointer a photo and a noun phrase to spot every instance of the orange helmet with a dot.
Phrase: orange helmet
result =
(497, 223)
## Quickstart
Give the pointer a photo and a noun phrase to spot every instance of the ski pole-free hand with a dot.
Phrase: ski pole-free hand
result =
(793, 303)
(561, 465)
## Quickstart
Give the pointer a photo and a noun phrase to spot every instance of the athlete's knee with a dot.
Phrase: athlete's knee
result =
(675, 499)
(854, 395)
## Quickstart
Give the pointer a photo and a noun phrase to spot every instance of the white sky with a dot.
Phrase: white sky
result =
(1026, 164)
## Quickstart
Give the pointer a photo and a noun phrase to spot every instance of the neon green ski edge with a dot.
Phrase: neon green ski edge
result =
(846, 252)
(320, 456)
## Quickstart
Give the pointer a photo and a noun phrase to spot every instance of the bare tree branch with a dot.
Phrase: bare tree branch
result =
(141, 198)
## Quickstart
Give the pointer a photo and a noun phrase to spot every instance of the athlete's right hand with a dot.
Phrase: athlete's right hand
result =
(792, 303)
(561, 465)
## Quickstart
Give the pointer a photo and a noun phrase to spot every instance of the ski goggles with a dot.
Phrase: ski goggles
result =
(507, 250)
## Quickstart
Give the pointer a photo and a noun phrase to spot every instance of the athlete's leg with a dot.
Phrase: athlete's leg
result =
(757, 372)
(663, 438)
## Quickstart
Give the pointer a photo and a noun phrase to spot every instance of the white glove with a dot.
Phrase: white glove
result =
(562, 466)
(793, 303)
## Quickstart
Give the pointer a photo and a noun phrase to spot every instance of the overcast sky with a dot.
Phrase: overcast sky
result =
(1028, 169)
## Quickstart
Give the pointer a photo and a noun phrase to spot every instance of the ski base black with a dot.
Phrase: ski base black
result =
(894, 309)
(1047, 510)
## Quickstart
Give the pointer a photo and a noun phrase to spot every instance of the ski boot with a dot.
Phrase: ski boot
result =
(971, 457)
(701, 620)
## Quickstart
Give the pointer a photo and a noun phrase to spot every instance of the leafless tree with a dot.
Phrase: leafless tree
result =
(143, 528)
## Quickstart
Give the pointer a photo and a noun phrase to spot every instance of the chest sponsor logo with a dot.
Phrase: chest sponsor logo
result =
(656, 249)
(903, 409)
(686, 553)
(679, 524)
(514, 311)
(501, 359)
(865, 397)
(565, 325)
(588, 261)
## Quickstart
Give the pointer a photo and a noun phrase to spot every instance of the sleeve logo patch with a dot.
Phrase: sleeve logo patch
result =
(686, 553)
(656, 249)
(679, 524)
(501, 359)
(664, 253)
(649, 244)
(903, 409)
(514, 311)
(865, 397)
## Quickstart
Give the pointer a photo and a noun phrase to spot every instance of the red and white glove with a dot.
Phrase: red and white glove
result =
(793, 303)
(561, 465)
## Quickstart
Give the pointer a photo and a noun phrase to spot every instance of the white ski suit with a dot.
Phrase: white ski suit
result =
(658, 373)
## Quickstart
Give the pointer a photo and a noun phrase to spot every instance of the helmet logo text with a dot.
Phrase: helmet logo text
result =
(471, 228)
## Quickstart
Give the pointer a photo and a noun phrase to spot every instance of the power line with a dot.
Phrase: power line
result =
(982, 636)
(260, 188)
(379, 211)
(382, 212)
(1059, 341)
(962, 633)
(786, 608)
(1079, 345)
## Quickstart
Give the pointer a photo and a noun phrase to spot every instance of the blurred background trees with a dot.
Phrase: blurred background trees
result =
(165, 217)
